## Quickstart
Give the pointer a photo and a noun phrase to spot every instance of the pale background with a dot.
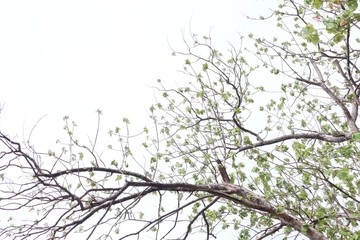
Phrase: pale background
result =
(72, 57)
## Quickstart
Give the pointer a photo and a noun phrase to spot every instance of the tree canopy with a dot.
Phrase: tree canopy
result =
(260, 141)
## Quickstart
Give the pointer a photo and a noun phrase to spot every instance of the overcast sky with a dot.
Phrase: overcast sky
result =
(73, 57)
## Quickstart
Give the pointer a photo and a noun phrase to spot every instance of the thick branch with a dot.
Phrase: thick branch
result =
(318, 136)
(242, 196)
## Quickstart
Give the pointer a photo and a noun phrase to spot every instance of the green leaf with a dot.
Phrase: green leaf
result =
(331, 25)
(126, 120)
(356, 16)
(114, 163)
(356, 136)
(343, 174)
(275, 71)
(305, 228)
(310, 34)
(303, 123)
(205, 66)
(352, 4)
(338, 38)
(302, 194)
(317, 4)
(308, 2)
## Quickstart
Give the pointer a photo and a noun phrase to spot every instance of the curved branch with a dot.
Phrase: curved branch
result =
(98, 169)
(247, 198)
(318, 136)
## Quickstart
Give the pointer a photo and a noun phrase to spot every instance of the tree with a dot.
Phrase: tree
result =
(249, 151)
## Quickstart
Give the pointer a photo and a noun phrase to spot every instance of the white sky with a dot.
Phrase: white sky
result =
(73, 57)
